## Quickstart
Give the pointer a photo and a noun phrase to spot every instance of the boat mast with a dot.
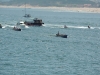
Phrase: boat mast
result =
(26, 15)
(25, 8)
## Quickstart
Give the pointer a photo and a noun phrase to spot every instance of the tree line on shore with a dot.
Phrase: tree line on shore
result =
(59, 3)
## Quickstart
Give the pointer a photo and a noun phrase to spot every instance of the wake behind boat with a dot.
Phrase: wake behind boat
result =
(21, 24)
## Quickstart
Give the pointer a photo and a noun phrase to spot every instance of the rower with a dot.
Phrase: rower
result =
(65, 26)
(0, 26)
(89, 27)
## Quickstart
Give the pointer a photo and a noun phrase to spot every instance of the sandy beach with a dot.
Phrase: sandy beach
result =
(70, 9)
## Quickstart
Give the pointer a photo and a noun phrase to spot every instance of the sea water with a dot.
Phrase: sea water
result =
(37, 51)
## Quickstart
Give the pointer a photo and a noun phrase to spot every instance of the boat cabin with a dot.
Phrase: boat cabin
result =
(34, 22)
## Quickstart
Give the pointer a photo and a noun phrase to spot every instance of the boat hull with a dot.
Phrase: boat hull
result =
(17, 29)
(61, 35)
(33, 24)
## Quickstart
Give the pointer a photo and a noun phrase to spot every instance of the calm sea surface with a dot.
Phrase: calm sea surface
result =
(36, 50)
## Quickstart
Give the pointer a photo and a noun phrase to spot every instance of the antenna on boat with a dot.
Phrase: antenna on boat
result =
(25, 9)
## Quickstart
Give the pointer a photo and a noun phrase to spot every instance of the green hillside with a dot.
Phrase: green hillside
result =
(48, 2)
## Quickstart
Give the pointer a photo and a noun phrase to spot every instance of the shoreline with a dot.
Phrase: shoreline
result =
(71, 9)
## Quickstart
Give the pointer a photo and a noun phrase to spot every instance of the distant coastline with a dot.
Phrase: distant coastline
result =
(71, 9)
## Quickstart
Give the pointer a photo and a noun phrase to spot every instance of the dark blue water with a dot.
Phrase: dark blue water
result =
(36, 50)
